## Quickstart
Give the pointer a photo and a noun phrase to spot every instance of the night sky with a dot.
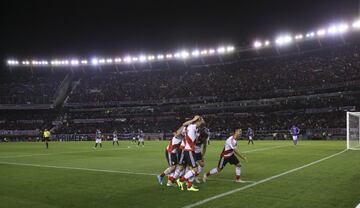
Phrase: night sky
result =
(51, 29)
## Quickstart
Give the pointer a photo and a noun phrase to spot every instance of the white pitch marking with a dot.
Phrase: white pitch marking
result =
(260, 182)
(266, 148)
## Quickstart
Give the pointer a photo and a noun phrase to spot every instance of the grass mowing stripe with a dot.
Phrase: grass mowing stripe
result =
(260, 182)
(76, 168)
(59, 153)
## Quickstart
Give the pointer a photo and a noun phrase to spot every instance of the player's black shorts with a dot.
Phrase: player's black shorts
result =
(172, 158)
(46, 139)
(188, 158)
(198, 157)
(232, 160)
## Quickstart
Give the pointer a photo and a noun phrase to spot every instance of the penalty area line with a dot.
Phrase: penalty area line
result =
(201, 202)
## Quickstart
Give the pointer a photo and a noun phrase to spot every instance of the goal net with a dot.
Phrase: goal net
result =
(353, 130)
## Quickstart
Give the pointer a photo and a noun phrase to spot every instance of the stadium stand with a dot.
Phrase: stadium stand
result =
(311, 89)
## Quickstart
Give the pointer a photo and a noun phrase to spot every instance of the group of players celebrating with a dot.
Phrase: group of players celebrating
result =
(186, 155)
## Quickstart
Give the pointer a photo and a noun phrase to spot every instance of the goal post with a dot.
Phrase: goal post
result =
(353, 130)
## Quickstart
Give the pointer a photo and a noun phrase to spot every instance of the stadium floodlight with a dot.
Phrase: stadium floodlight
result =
(283, 40)
(332, 30)
(343, 27)
(142, 58)
(184, 54)
(44, 63)
(211, 51)
(203, 52)
(117, 60)
(151, 57)
(74, 62)
(127, 59)
(221, 50)
(109, 60)
(298, 37)
(321, 32)
(267, 43)
(310, 34)
(257, 44)
(94, 61)
(356, 24)
(160, 56)
(230, 48)
(34, 62)
(177, 55)
(84, 61)
(169, 55)
(134, 59)
(195, 53)
(101, 61)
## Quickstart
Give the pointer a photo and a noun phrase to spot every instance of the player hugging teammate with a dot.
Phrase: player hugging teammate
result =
(187, 168)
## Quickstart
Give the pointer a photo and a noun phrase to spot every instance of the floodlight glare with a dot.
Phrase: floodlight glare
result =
(221, 50)
(342, 27)
(101, 61)
(332, 30)
(230, 48)
(321, 32)
(142, 58)
(257, 44)
(84, 62)
(204, 52)
(127, 59)
(177, 55)
(160, 56)
(356, 24)
(135, 59)
(117, 60)
(298, 37)
(151, 57)
(184, 54)
(109, 60)
(267, 43)
(211, 51)
(94, 61)
(169, 55)
(195, 53)
(74, 62)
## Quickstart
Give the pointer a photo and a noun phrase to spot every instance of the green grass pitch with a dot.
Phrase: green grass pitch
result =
(71, 174)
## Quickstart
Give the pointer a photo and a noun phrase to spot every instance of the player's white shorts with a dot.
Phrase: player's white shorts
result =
(141, 140)
(115, 139)
(295, 137)
(250, 138)
(98, 141)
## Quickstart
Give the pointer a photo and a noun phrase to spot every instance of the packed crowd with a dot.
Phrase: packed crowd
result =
(235, 81)
(29, 86)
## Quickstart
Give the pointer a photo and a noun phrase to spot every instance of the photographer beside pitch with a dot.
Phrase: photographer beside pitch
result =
(228, 155)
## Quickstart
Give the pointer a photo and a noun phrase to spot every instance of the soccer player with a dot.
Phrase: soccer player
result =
(201, 141)
(295, 131)
(189, 153)
(228, 155)
(140, 140)
(115, 138)
(172, 154)
(98, 138)
(250, 135)
(46, 136)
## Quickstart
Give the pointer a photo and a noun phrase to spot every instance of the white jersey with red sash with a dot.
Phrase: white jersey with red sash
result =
(229, 147)
(174, 144)
(190, 137)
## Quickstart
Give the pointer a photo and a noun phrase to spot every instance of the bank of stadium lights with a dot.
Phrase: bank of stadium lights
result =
(334, 29)
(184, 54)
